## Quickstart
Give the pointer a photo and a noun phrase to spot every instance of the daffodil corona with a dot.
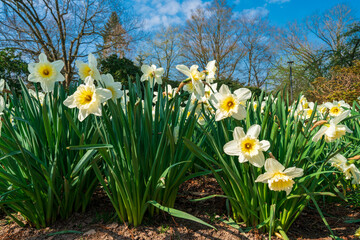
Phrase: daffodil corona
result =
(247, 146)
(46, 73)
(88, 99)
(277, 177)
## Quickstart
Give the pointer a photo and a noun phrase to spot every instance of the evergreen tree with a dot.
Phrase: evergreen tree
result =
(116, 40)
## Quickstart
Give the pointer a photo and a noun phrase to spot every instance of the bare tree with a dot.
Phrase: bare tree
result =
(166, 49)
(213, 34)
(257, 38)
(64, 29)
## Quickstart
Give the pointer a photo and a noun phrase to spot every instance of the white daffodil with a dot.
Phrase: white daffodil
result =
(114, 87)
(88, 99)
(196, 78)
(247, 146)
(210, 71)
(230, 105)
(349, 169)
(151, 74)
(46, 73)
(279, 178)
(39, 96)
(333, 131)
(88, 69)
(336, 108)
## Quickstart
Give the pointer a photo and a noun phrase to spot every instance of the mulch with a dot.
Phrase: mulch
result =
(98, 221)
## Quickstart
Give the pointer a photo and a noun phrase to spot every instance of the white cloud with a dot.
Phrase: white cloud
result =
(254, 12)
(157, 13)
(277, 1)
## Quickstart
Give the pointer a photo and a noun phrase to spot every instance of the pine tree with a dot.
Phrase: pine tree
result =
(116, 40)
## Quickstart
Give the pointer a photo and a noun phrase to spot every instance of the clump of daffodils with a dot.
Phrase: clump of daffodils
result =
(348, 168)
(88, 99)
(88, 69)
(230, 104)
(46, 73)
(151, 74)
(333, 130)
(247, 146)
(277, 177)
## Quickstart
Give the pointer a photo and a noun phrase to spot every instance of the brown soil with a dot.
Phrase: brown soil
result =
(97, 222)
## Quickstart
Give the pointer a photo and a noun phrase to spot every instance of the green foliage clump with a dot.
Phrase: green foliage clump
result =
(122, 69)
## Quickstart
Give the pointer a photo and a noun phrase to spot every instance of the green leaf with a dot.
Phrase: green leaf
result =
(90, 146)
(179, 214)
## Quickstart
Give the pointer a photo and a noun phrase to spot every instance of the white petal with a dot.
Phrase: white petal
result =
(243, 93)
(224, 90)
(159, 72)
(232, 148)
(264, 177)
(59, 64)
(341, 117)
(83, 113)
(92, 60)
(272, 165)
(294, 172)
(320, 133)
(238, 133)
(70, 102)
(219, 115)
(184, 69)
(265, 145)
(242, 158)
(103, 94)
(146, 69)
(254, 131)
(240, 114)
(2, 85)
(47, 86)
(257, 160)
(42, 57)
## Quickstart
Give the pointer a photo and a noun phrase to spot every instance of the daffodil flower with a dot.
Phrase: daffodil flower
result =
(88, 99)
(333, 130)
(88, 69)
(196, 78)
(46, 73)
(336, 108)
(247, 146)
(279, 178)
(210, 71)
(349, 169)
(110, 84)
(230, 105)
(151, 74)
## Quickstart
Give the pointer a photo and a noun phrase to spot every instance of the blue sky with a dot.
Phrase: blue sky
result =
(167, 12)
